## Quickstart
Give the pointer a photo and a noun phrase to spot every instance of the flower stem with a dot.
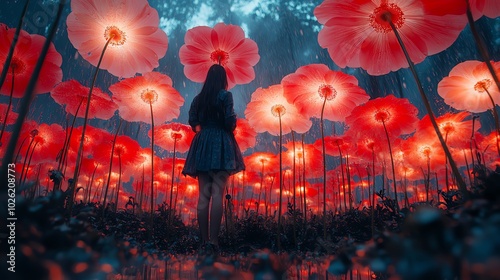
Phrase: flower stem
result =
(152, 159)
(495, 115)
(460, 181)
(62, 160)
(281, 184)
(392, 165)
(294, 194)
(324, 166)
(172, 179)
(109, 172)
(82, 138)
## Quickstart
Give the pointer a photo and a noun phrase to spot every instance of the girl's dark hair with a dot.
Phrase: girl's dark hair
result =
(215, 82)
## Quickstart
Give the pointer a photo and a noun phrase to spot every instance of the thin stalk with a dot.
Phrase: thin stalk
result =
(152, 159)
(460, 181)
(29, 163)
(91, 183)
(172, 179)
(304, 180)
(119, 181)
(66, 143)
(110, 168)
(372, 198)
(261, 185)
(348, 173)
(85, 119)
(324, 165)
(342, 173)
(294, 194)
(392, 165)
(26, 158)
(281, 184)
(495, 115)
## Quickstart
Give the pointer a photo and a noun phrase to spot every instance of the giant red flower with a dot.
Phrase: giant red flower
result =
(244, 134)
(71, 94)
(456, 130)
(259, 161)
(134, 96)
(132, 25)
(268, 106)
(420, 151)
(313, 85)
(168, 135)
(95, 140)
(468, 85)
(490, 8)
(26, 53)
(225, 45)
(396, 115)
(46, 142)
(357, 33)
(306, 156)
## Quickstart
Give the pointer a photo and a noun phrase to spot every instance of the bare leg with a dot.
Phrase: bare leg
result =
(205, 185)
(218, 186)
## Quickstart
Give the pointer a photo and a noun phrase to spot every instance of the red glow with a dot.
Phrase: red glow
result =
(71, 93)
(26, 53)
(136, 43)
(357, 33)
(310, 85)
(223, 44)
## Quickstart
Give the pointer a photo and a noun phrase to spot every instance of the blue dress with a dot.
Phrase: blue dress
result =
(214, 148)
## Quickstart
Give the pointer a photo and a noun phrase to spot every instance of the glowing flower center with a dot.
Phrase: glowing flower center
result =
(278, 110)
(219, 56)
(119, 150)
(327, 91)
(482, 85)
(447, 127)
(149, 96)
(384, 14)
(34, 132)
(119, 37)
(382, 116)
(17, 65)
(426, 151)
(176, 135)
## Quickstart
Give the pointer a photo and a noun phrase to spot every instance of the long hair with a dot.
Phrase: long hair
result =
(215, 82)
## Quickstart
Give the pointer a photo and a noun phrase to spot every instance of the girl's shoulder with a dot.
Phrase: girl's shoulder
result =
(223, 95)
